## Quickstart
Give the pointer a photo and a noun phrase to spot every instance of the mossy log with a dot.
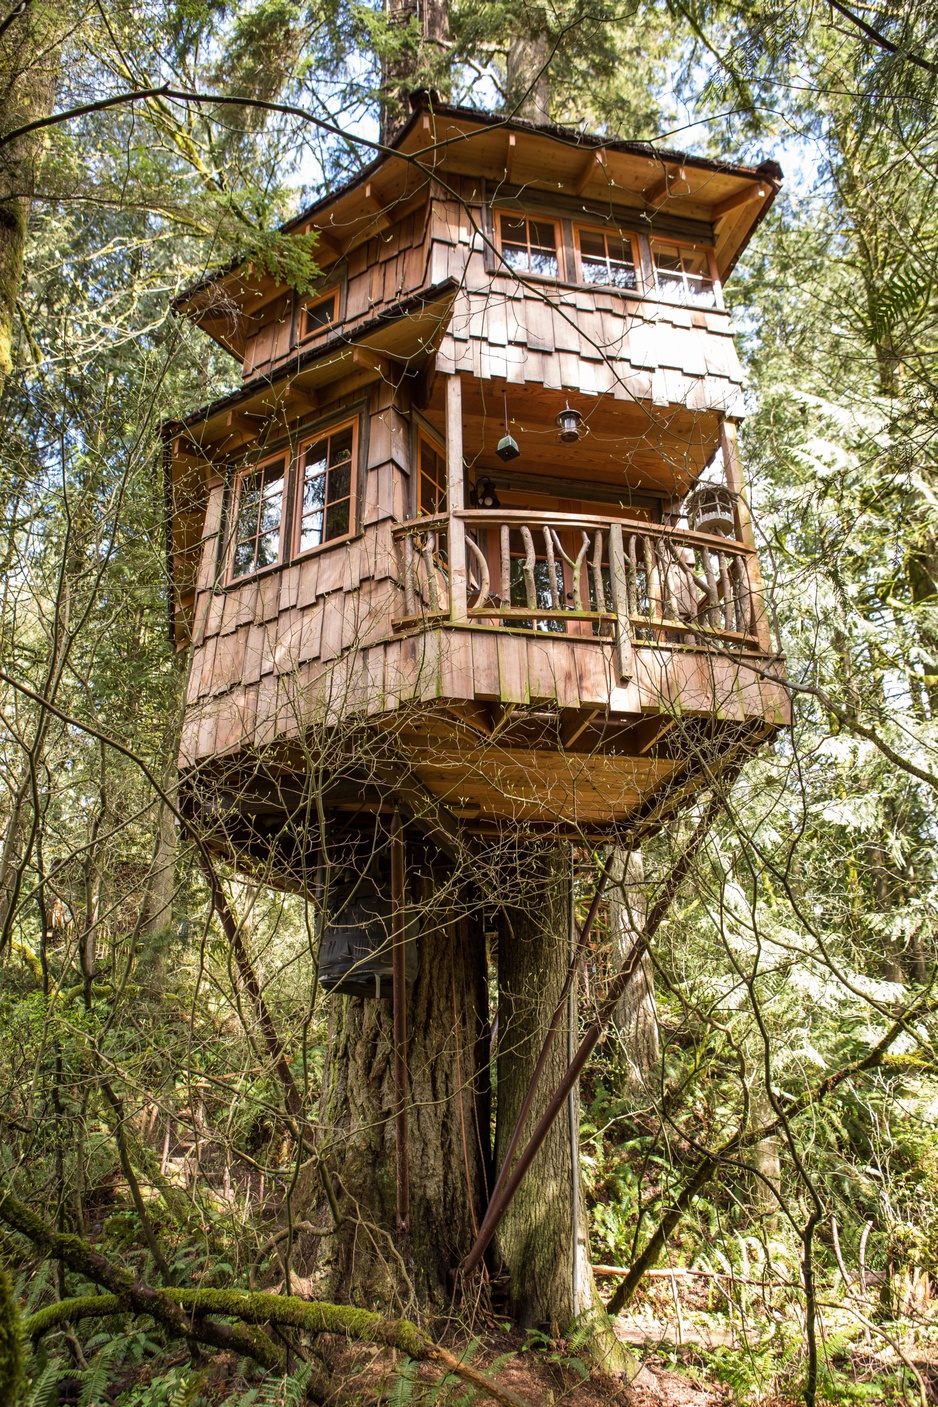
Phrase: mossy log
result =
(182, 1311)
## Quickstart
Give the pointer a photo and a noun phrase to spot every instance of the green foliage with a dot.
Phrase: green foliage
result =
(11, 1343)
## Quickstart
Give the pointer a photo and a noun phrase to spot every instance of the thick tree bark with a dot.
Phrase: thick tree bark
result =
(29, 48)
(412, 60)
(636, 1018)
(367, 1261)
(548, 1282)
(527, 79)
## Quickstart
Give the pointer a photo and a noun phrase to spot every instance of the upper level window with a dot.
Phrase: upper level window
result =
(318, 314)
(530, 246)
(258, 518)
(607, 258)
(326, 488)
(431, 495)
(682, 273)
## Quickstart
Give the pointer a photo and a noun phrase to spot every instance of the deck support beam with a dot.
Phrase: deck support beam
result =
(455, 495)
(736, 483)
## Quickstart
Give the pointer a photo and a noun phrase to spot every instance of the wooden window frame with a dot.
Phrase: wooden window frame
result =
(425, 435)
(258, 467)
(626, 235)
(500, 213)
(313, 301)
(310, 437)
(712, 272)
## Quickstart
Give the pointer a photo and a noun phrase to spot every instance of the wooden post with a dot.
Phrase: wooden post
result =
(399, 1002)
(455, 478)
(736, 483)
(620, 597)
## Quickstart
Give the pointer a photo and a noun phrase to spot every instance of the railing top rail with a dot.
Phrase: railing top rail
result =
(421, 525)
(534, 518)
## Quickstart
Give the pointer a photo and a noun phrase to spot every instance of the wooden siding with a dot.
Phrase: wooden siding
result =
(595, 341)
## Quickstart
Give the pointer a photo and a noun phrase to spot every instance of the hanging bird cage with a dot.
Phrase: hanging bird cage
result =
(355, 950)
(712, 509)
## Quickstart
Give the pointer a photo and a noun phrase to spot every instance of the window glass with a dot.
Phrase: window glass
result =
(326, 494)
(530, 246)
(432, 496)
(682, 274)
(259, 518)
(607, 258)
(318, 315)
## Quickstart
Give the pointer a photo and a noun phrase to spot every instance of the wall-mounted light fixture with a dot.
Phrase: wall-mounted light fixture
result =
(570, 423)
(484, 495)
(507, 447)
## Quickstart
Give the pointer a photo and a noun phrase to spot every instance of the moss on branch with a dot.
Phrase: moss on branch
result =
(67, 1311)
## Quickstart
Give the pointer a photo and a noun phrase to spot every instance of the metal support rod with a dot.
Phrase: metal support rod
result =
(507, 1189)
(399, 1004)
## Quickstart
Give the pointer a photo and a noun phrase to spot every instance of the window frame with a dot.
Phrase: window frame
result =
(426, 436)
(312, 437)
(314, 299)
(501, 213)
(634, 241)
(685, 246)
(258, 467)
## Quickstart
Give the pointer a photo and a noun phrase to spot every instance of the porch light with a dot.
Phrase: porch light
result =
(569, 422)
(485, 495)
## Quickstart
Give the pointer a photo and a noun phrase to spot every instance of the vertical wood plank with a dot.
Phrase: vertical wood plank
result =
(736, 483)
(454, 490)
(620, 596)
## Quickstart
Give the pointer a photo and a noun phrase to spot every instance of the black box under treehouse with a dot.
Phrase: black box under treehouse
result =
(356, 945)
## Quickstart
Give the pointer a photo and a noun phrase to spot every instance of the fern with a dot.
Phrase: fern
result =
(94, 1379)
(44, 1389)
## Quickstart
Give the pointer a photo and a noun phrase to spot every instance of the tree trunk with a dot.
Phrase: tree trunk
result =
(367, 1261)
(548, 1282)
(28, 66)
(527, 79)
(636, 1018)
(412, 59)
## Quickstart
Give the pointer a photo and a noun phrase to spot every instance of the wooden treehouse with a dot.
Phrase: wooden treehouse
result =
(478, 497)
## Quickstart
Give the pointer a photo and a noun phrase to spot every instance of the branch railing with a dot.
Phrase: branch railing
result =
(584, 575)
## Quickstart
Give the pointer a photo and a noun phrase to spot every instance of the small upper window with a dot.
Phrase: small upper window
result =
(318, 314)
(682, 274)
(607, 258)
(326, 488)
(530, 246)
(432, 492)
(258, 518)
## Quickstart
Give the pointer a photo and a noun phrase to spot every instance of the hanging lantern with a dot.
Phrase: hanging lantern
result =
(507, 447)
(569, 422)
(484, 495)
(711, 509)
(355, 949)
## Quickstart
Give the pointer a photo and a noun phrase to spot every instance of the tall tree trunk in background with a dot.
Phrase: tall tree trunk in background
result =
(29, 49)
(367, 1261)
(412, 60)
(636, 1018)
(535, 1239)
(527, 79)
(543, 1240)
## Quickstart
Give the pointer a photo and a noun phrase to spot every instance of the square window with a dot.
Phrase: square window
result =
(529, 246)
(607, 259)
(682, 274)
(319, 314)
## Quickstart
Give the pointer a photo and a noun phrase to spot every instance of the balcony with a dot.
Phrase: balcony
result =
(624, 581)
